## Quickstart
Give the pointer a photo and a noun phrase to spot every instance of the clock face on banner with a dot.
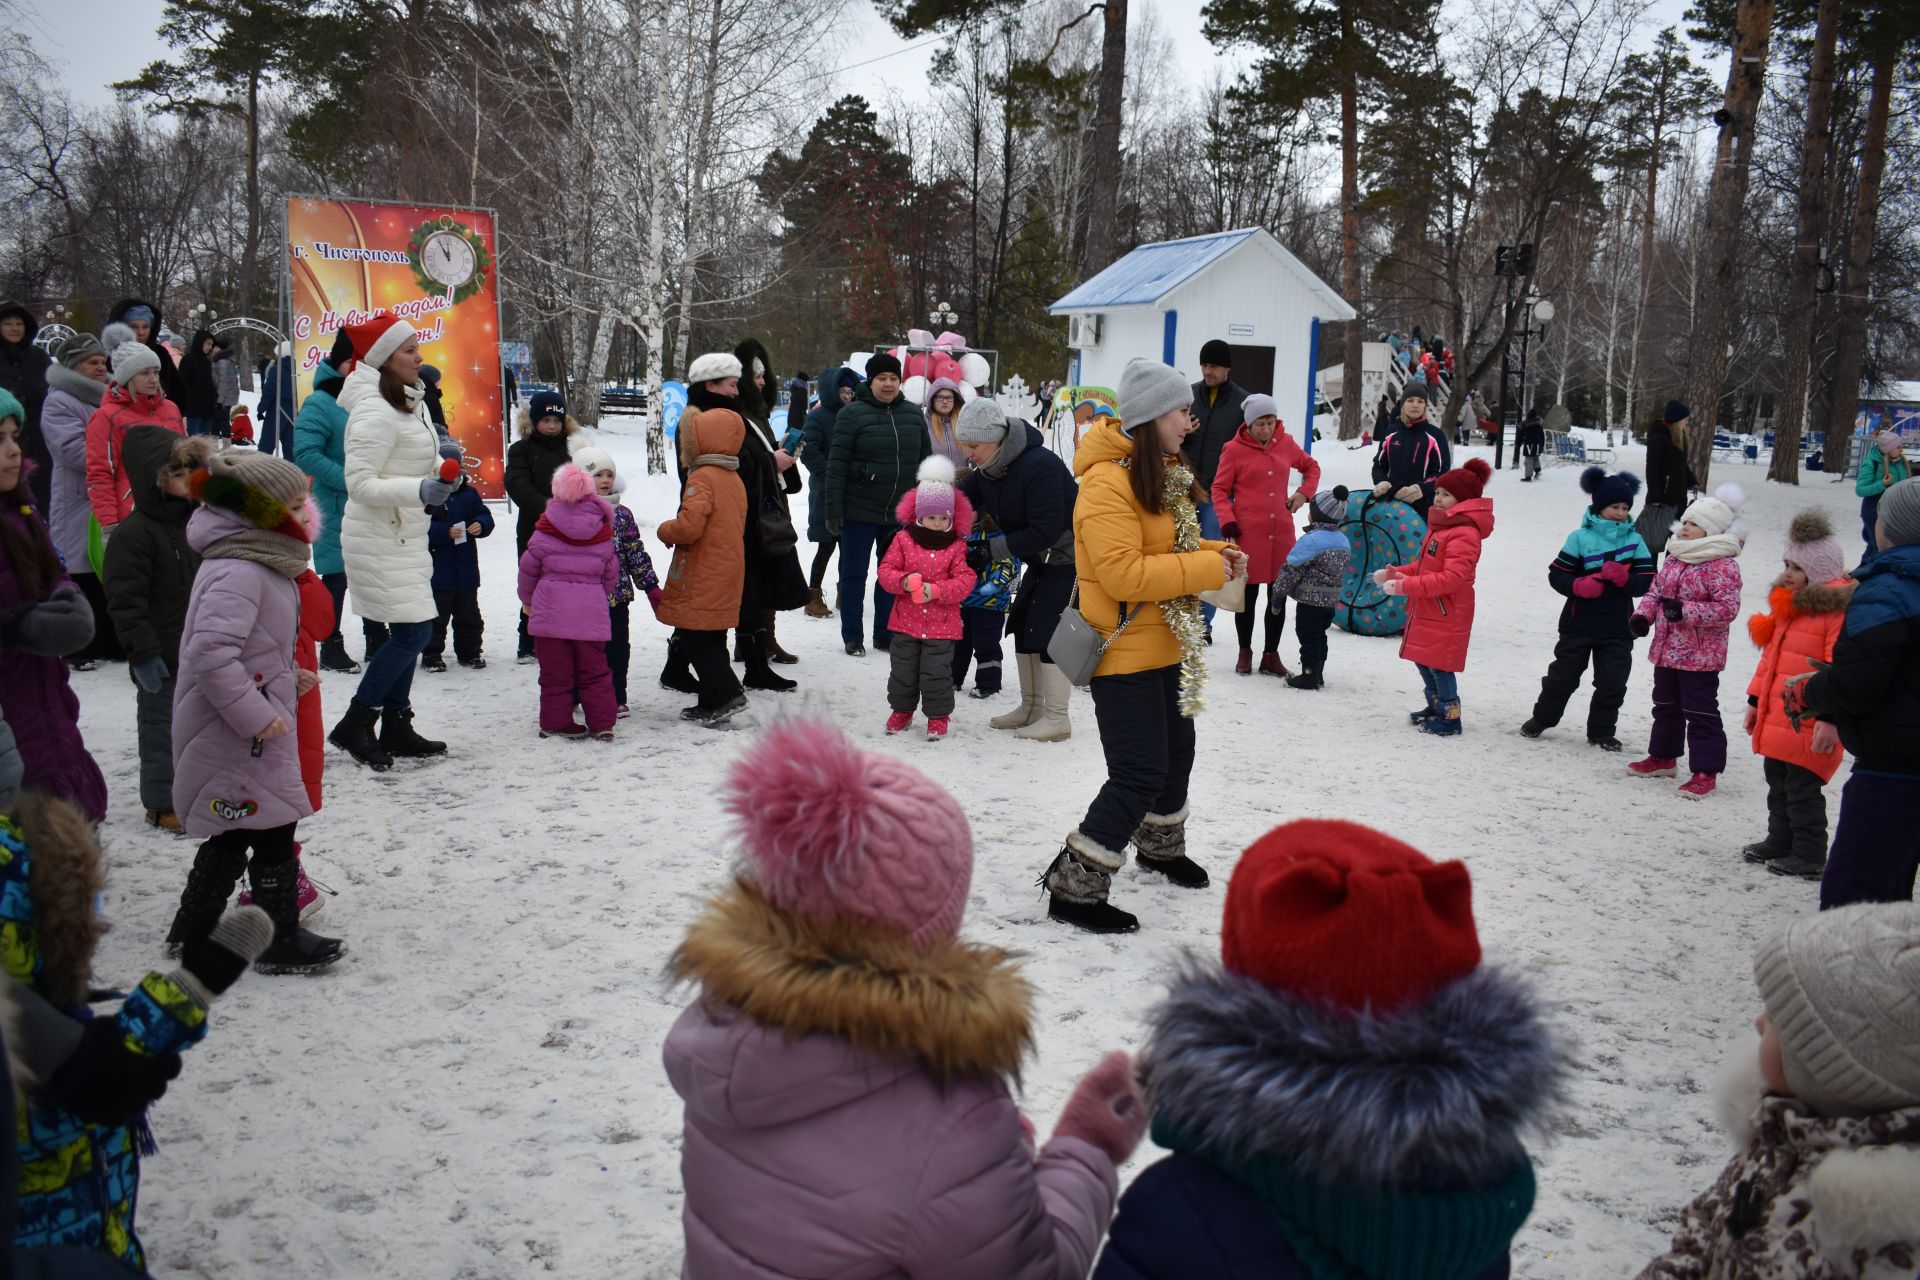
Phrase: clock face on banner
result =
(449, 257)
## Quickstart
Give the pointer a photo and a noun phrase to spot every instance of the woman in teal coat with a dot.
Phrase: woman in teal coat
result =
(319, 446)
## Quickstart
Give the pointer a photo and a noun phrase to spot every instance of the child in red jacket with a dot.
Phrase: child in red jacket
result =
(1806, 608)
(1255, 509)
(1439, 587)
(926, 566)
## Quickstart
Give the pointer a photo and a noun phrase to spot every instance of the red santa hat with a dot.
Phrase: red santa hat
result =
(376, 339)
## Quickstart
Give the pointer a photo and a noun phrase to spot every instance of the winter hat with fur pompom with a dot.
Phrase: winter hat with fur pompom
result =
(1609, 490)
(933, 495)
(262, 488)
(571, 484)
(835, 833)
(130, 360)
(1719, 512)
(1467, 482)
(1812, 546)
(1349, 917)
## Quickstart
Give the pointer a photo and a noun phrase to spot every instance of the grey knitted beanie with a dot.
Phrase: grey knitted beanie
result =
(1843, 991)
(982, 421)
(1149, 389)
(1900, 513)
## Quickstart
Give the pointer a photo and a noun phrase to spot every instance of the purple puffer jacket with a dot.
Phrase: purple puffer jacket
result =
(1709, 596)
(569, 569)
(236, 674)
(809, 1155)
(39, 705)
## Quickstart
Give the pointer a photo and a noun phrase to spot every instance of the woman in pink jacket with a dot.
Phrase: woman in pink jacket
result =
(1255, 509)
(1439, 588)
(845, 1070)
(1689, 609)
(133, 400)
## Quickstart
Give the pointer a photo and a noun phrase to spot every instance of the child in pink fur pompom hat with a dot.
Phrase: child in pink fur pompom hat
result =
(846, 1069)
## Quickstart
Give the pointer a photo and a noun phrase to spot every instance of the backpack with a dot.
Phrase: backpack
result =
(1380, 532)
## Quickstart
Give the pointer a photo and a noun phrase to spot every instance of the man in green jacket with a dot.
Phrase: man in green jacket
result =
(878, 442)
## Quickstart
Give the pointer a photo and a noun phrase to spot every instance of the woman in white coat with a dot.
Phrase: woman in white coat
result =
(392, 467)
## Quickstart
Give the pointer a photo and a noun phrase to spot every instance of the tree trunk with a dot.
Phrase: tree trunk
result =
(653, 265)
(250, 251)
(1850, 347)
(1803, 278)
(1726, 203)
(1353, 355)
(1103, 179)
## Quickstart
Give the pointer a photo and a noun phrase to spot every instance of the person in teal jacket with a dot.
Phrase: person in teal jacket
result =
(86, 1077)
(1883, 466)
(319, 447)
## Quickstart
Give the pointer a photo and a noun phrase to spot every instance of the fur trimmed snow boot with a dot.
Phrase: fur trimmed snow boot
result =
(1160, 845)
(1077, 882)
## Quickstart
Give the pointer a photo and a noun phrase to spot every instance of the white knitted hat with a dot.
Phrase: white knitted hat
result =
(1843, 991)
(1718, 513)
(713, 366)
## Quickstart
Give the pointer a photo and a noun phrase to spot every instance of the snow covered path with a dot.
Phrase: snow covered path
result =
(476, 1091)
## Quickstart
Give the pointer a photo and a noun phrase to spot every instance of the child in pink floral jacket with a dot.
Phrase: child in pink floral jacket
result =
(1694, 599)
(926, 566)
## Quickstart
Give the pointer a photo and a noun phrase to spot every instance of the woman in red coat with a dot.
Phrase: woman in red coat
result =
(1251, 499)
(1439, 588)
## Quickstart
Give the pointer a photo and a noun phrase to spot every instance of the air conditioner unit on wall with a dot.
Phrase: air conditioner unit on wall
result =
(1083, 332)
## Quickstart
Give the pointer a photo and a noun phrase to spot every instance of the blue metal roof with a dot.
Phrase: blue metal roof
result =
(1150, 272)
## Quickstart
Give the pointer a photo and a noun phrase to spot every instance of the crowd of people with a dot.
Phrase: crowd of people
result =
(847, 1062)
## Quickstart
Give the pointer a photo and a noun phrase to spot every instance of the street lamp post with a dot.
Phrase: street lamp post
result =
(944, 316)
(1537, 309)
(1510, 262)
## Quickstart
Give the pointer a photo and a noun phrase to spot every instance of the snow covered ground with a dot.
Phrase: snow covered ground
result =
(476, 1091)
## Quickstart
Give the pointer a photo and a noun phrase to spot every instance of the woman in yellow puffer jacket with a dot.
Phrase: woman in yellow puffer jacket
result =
(1141, 563)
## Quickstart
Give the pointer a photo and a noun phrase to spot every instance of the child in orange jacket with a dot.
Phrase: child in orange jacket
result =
(1808, 604)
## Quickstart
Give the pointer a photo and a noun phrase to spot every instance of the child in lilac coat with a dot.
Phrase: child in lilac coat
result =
(566, 575)
(236, 778)
(845, 1068)
(636, 567)
(1689, 609)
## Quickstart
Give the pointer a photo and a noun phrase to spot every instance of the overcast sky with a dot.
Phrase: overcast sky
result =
(95, 42)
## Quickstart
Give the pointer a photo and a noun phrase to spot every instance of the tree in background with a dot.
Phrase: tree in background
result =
(1359, 54)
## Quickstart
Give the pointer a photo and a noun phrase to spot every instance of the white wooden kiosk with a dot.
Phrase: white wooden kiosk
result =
(1164, 300)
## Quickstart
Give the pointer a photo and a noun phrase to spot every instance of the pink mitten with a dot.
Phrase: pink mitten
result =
(1614, 572)
(912, 584)
(653, 598)
(929, 592)
(1589, 587)
(1106, 1109)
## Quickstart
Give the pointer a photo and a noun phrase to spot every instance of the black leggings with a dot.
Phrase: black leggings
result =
(822, 552)
(271, 845)
(1276, 622)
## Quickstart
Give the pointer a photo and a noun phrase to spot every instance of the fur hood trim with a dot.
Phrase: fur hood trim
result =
(962, 1009)
(1824, 597)
(1437, 1095)
(64, 874)
(1862, 1200)
(523, 427)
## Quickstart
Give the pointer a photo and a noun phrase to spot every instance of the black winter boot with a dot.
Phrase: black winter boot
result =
(397, 737)
(276, 890)
(1161, 845)
(677, 675)
(1076, 884)
(759, 674)
(209, 883)
(354, 735)
(1305, 680)
(333, 657)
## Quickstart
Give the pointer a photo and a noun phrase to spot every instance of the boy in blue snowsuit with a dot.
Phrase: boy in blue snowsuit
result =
(1312, 574)
(452, 530)
(1601, 570)
(983, 614)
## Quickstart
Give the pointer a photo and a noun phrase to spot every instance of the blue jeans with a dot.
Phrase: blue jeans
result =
(862, 545)
(387, 683)
(200, 426)
(1209, 528)
(1442, 686)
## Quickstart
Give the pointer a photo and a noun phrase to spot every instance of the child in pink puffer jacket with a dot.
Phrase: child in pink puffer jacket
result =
(1693, 601)
(845, 1069)
(568, 571)
(926, 567)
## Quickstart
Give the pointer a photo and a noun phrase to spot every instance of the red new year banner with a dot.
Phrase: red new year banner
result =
(431, 265)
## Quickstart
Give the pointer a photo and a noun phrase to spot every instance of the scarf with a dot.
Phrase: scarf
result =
(1012, 447)
(1715, 546)
(931, 539)
(281, 552)
(724, 460)
(1184, 619)
(701, 398)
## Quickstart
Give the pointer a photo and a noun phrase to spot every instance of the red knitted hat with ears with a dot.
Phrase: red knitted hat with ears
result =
(1342, 915)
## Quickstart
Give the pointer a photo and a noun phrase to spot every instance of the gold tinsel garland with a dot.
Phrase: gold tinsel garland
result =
(1184, 618)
